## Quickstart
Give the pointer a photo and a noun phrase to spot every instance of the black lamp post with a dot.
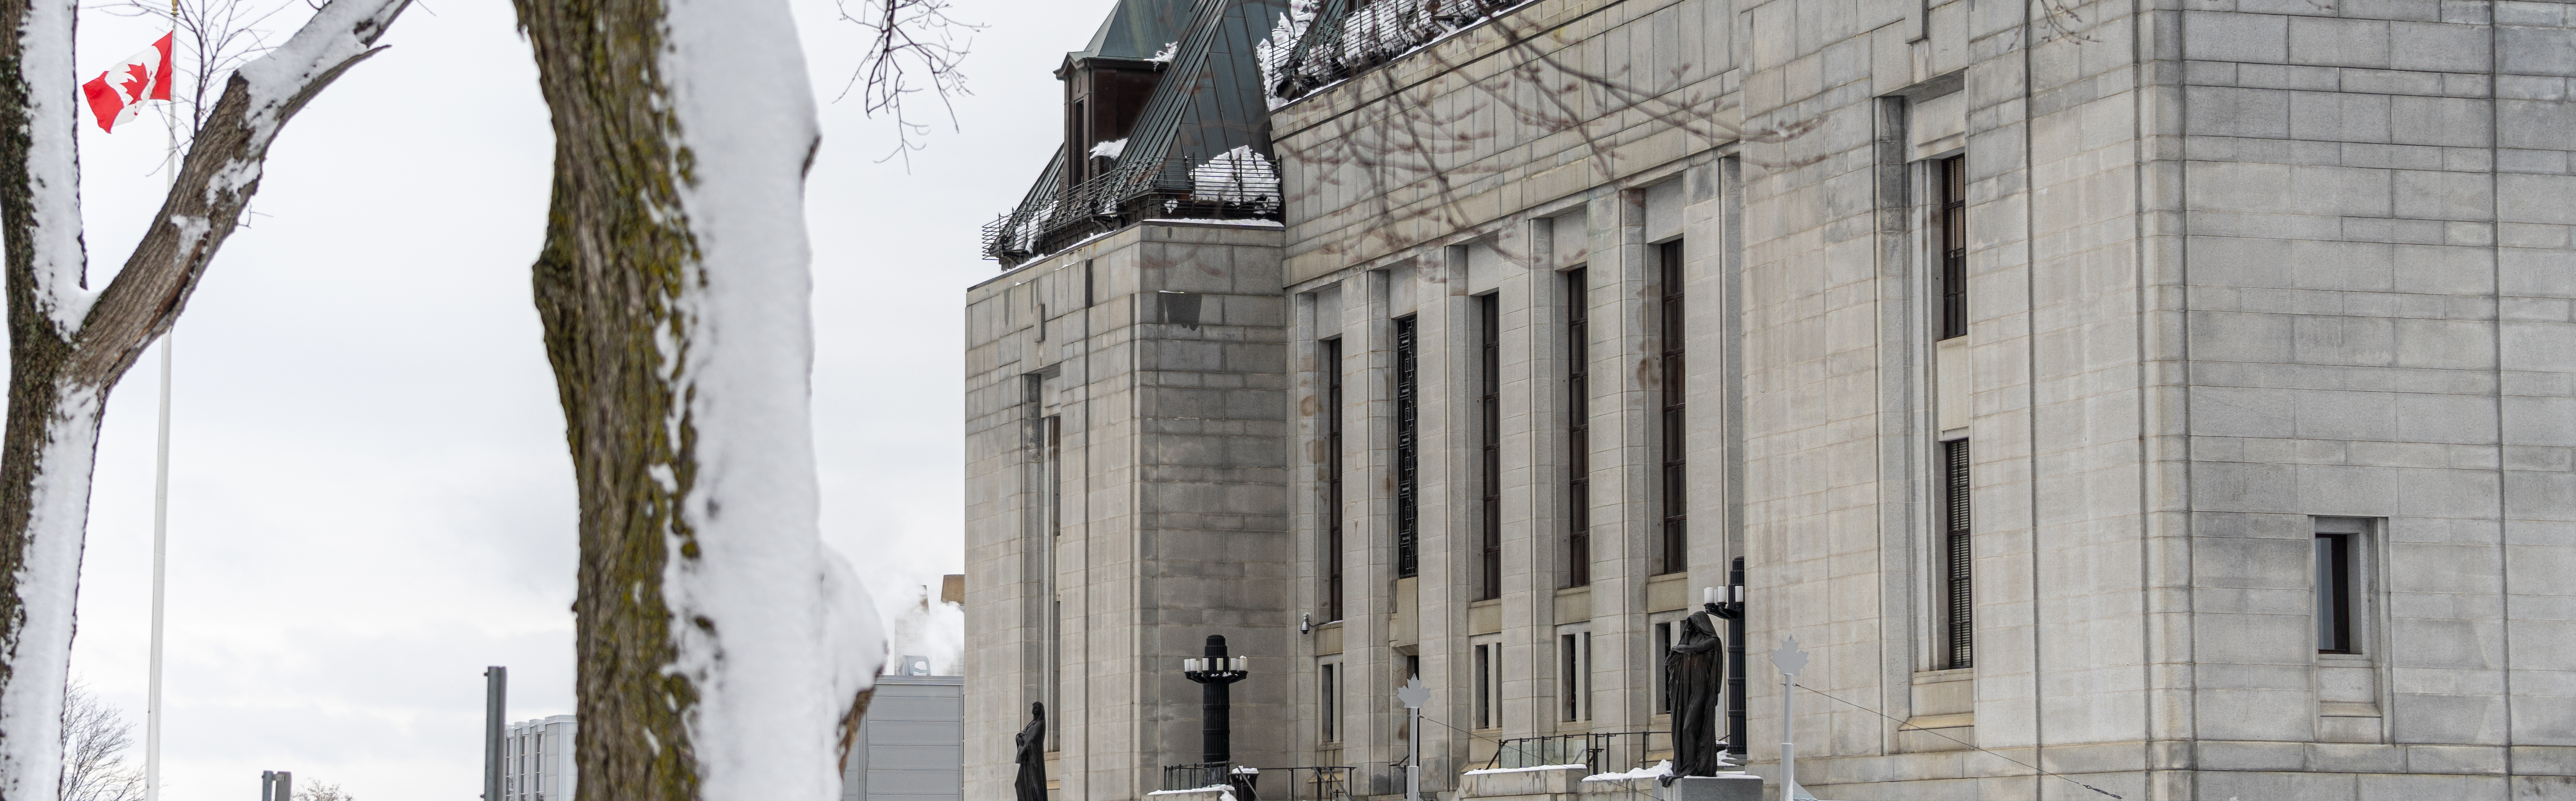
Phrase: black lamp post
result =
(1215, 672)
(1732, 609)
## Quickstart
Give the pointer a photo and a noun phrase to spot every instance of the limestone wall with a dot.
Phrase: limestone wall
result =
(1158, 354)
(2233, 269)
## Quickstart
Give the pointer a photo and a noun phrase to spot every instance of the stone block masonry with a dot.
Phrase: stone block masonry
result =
(2264, 413)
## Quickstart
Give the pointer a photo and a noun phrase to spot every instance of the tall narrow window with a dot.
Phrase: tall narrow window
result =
(1574, 674)
(1578, 431)
(1958, 578)
(1585, 691)
(1330, 353)
(1054, 628)
(1408, 450)
(1485, 708)
(1489, 407)
(2334, 593)
(1566, 680)
(1328, 712)
(1950, 240)
(1054, 476)
(1077, 133)
(1485, 689)
(1675, 539)
(1663, 655)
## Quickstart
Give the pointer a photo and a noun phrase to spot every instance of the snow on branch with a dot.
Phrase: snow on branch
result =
(212, 37)
(217, 180)
(41, 130)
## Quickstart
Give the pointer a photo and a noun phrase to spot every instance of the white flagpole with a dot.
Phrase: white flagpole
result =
(161, 476)
(160, 549)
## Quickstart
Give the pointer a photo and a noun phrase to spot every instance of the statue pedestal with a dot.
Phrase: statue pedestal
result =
(1739, 787)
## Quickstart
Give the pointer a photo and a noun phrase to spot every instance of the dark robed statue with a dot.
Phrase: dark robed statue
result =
(1696, 673)
(1032, 747)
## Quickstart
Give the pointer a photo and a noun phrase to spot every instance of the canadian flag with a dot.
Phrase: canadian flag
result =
(118, 94)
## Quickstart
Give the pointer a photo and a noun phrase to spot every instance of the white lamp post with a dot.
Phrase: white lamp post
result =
(1789, 660)
(1413, 694)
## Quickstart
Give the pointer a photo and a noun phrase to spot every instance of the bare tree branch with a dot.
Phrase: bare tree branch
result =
(1416, 155)
(217, 180)
(318, 791)
(215, 36)
(95, 737)
(67, 346)
(912, 47)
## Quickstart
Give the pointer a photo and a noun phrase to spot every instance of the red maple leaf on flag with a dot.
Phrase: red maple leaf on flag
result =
(115, 94)
(139, 78)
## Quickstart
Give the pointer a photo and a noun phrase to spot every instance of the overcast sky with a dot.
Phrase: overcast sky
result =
(370, 497)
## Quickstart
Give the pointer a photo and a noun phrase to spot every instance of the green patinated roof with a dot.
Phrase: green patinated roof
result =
(1207, 116)
(1137, 29)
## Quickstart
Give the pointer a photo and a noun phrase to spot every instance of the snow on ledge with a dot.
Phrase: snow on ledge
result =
(1244, 223)
(1484, 771)
(1660, 770)
(1106, 234)
(1220, 790)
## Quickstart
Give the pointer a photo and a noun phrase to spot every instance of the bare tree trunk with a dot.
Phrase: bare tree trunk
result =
(68, 345)
(723, 652)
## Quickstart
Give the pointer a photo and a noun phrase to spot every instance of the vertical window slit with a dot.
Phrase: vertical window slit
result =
(1675, 540)
(1408, 450)
(1959, 599)
(2334, 593)
(1950, 230)
(1489, 405)
(1331, 356)
(1578, 432)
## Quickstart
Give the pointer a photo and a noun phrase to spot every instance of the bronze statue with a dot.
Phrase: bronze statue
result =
(1695, 674)
(1032, 747)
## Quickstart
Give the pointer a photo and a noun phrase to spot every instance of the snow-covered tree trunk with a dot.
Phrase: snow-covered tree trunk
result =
(68, 344)
(724, 653)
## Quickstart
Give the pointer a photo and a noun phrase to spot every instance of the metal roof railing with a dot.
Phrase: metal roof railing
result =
(1238, 184)
(1344, 40)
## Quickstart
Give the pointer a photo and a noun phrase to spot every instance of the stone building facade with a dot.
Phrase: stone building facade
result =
(2177, 396)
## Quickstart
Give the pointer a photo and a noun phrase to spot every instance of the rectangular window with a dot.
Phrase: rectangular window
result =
(1950, 242)
(1330, 353)
(1568, 681)
(1055, 670)
(1489, 685)
(1958, 577)
(1574, 674)
(1663, 653)
(1485, 710)
(1328, 717)
(1675, 550)
(2334, 593)
(1075, 131)
(1054, 472)
(1054, 476)
(1578, 431)
(1408, 449)
(1489, 407)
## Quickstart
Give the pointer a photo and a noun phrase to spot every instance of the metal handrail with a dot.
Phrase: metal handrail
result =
(1552, 749)
(1587, 749)
(1343, 41)
(1239, 185)
(1301, 783)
